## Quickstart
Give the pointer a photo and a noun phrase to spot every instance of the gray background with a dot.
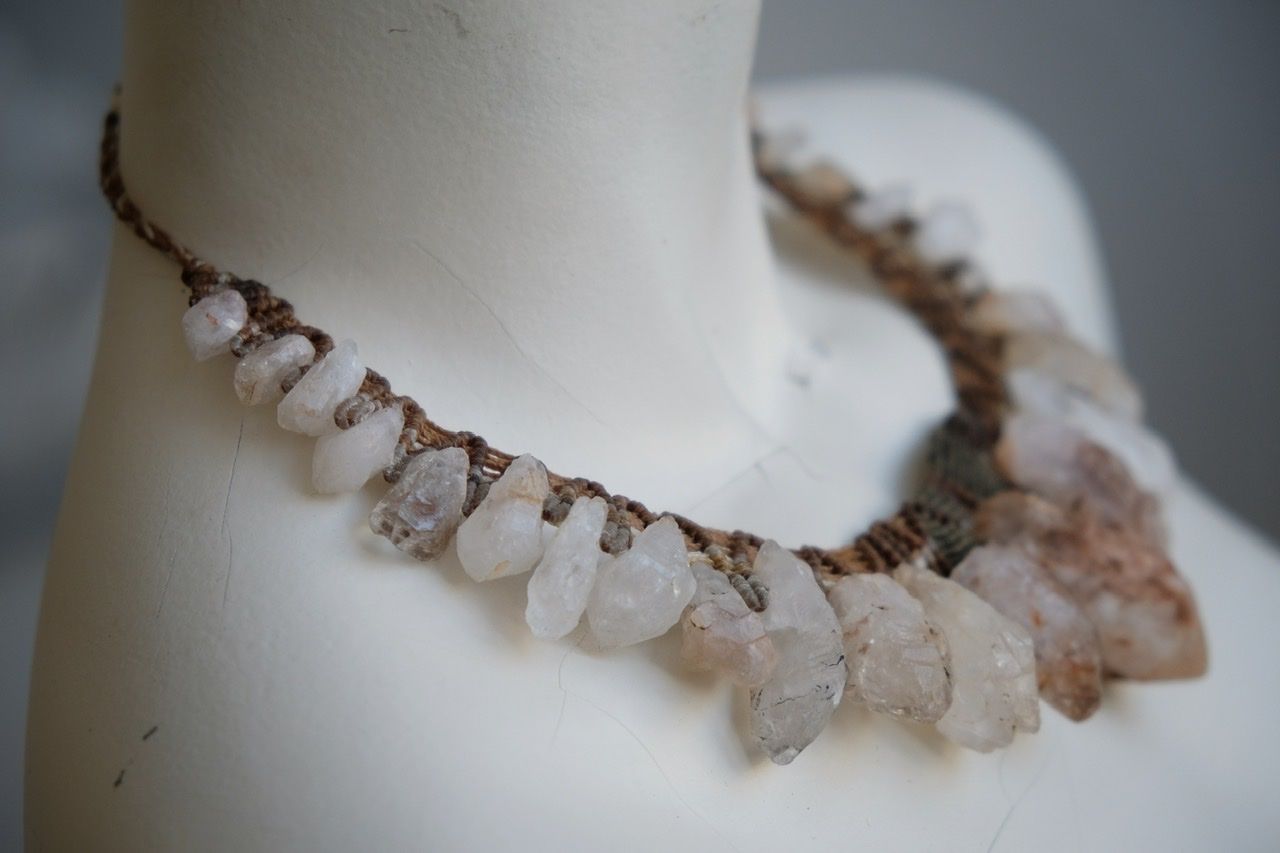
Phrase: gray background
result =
(1165, 111)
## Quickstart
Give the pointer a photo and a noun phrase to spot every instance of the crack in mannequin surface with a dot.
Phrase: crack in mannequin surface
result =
(540, 220)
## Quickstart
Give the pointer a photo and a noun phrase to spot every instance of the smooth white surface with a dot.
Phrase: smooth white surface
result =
(583, 176)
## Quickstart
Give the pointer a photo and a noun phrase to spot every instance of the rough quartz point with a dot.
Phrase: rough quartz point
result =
(1145, 455)
(972, 279)
(993, 665)
(879, 209)
(822, 184)
(947, 233)
(1068, 654)
(721, 633)
(210, 325)
(561, 584)
(1008, 312)
(1076, 368)
(259, 373)
(1144, 611)
(792, 708)
(778, 149)
(503, 535)
(641, 593)
(309, 405)
(420, 513)
(896, 659)
(344, 461)
(1057, 461)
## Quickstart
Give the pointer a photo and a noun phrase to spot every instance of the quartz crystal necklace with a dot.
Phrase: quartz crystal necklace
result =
(1029, 563)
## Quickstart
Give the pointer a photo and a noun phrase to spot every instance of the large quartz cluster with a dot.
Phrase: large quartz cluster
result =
(1077, 554)
(1143, 611)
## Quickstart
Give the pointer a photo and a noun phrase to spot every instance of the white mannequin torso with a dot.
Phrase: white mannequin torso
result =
(460, 191)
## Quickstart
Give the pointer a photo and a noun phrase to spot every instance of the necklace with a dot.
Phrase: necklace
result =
(1029, 563)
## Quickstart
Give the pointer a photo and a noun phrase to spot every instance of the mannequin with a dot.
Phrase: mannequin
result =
(540, 220)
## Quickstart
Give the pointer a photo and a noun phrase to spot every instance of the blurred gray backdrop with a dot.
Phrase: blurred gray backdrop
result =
(1166, 110)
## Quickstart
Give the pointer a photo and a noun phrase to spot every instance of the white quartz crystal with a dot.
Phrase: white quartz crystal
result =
(259, 373)
(792, 708)
(1068, 654)
(344, 461)
(993, 667)
(822, 183)
(561, 584)
(210, 325)
(972, 279)
(309, 405)
(503, 536)
(720, 632)
(1043, 454)
(1058, 461)
(1076, 368)
(896, 659)
(420, 513)
(1009, 311)
(1144, 454)
(641, 593)
(947, 233)
(779, 148)
(881, 208)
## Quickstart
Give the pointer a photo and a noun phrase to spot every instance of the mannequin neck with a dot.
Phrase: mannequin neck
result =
(541, 222)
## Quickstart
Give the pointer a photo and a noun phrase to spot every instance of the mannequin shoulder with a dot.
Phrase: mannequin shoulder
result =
(949, 144)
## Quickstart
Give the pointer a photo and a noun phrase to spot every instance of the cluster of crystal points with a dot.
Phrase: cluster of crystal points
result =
(1072, 583)
(1087, 530)
(1143, 611)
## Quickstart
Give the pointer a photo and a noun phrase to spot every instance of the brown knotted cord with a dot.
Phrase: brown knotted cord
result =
(934, 527)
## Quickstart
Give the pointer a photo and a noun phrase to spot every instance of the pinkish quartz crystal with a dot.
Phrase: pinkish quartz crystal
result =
(1011, 311)
(896, 658)
(1068, 654)
(1058, 462)
(992, 664)
(1144, 453)
(211, 324)
(1144, 611)
(1076, 368)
